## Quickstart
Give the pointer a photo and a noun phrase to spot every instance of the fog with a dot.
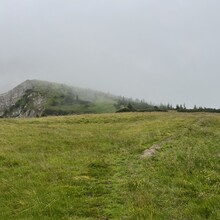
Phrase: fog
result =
(160, 51)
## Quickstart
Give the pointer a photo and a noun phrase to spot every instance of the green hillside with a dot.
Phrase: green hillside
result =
(91, 167)
(62, 99)
(35, 98)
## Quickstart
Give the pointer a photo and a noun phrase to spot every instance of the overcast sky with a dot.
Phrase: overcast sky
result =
(164, 51)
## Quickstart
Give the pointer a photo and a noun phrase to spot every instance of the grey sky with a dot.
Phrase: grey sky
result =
(157, 50)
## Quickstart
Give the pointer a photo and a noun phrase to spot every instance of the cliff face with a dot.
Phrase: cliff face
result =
(21, 102)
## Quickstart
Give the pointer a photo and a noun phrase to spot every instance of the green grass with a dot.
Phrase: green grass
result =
(89, 167)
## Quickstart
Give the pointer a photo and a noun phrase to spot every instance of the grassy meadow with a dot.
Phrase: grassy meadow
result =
(90, 167)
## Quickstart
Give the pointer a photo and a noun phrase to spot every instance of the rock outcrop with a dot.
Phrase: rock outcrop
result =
(22, 101)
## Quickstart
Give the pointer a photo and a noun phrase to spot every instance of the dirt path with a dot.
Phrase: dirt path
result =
(154, 148)
(150, 152)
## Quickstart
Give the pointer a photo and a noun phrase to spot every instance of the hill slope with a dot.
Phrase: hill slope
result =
(35, 98)
(38, 98)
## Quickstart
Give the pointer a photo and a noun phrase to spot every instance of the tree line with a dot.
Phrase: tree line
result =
(130, 105)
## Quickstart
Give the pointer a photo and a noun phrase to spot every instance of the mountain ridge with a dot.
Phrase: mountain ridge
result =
(36, 98)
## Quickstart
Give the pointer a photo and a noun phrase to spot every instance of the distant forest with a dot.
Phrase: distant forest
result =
(131, 105)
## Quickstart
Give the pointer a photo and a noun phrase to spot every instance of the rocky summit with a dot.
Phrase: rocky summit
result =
(12, 103)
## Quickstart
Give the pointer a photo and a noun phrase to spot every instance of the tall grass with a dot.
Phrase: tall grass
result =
(89, 167)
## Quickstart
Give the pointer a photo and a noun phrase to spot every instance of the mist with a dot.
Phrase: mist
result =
(156, 50)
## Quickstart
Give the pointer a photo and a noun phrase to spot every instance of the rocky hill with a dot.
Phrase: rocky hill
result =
(10, 102)
(35, 98)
